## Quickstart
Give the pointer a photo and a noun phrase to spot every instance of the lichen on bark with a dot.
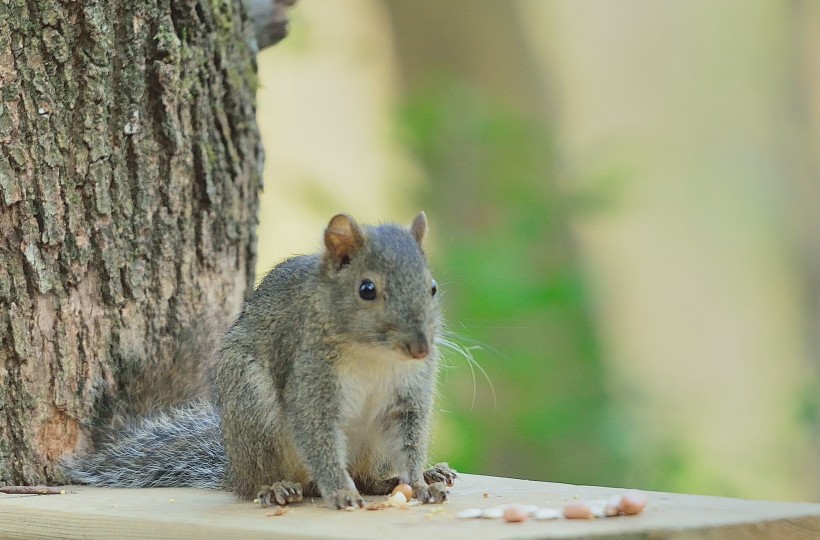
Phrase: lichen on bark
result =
(129, 179)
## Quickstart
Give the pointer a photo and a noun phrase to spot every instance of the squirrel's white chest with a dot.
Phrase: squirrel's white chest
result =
(370, 379)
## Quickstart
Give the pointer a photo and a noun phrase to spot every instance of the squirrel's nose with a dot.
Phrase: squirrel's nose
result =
(418, 348)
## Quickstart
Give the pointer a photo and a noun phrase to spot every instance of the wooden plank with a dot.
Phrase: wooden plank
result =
(85, 512)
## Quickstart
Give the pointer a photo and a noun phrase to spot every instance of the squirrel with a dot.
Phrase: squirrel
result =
(323, 385)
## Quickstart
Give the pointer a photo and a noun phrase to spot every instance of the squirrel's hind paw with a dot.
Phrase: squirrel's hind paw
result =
(280, 493)
(440, 472)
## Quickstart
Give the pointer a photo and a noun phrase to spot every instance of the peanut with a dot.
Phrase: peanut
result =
(577, 510)
(633, 502)
(405, 489)
(515, 514)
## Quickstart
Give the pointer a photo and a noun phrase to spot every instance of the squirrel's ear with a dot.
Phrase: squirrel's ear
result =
(419, 227)
(342, 238)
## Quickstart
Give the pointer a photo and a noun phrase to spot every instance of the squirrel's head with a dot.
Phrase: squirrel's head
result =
(381, 290)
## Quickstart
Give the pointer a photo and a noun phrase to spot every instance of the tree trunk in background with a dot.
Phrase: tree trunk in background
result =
(129, 177)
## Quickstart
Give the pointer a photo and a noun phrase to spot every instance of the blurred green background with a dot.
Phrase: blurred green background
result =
(624, 200)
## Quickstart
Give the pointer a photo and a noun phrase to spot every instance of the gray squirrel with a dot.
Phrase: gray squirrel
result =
(323, 385)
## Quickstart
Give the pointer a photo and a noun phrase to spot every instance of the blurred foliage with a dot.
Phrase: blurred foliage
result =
(510, 279)
(688, 152)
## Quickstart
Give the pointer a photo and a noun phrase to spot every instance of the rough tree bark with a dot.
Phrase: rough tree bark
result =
(129, 179)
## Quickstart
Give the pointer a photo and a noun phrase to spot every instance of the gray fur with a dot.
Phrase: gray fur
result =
(179, 447)
(313, 384)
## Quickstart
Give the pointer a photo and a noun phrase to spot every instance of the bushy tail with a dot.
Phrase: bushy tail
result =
(181, 446)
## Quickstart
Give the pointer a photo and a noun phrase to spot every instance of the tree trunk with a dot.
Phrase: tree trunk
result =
(129, 180)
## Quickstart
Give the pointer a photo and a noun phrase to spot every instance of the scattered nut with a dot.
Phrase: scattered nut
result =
(495, 512)
(546, 513)
(405, 489)
(396, 499)
(633, 502)
(529, 509)
(515, 514)
(597, 507)
(630, 503)
(278, 511)
(577, 510)
(469, 513)
(613, 506)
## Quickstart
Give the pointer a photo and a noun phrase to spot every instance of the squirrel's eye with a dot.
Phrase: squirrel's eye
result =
(434, 288)
(367, 290)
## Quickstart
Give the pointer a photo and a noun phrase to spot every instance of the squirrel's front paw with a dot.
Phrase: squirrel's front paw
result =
(440, 472)
(434, 493)
(345, 499)
(281, 493)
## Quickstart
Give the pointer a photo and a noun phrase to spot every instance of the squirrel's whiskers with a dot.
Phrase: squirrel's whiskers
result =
(450, 341)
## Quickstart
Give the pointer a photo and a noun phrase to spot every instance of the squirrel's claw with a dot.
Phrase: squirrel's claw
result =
(346, 499)
(433, 494)
(440, 472)
(281, 493)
